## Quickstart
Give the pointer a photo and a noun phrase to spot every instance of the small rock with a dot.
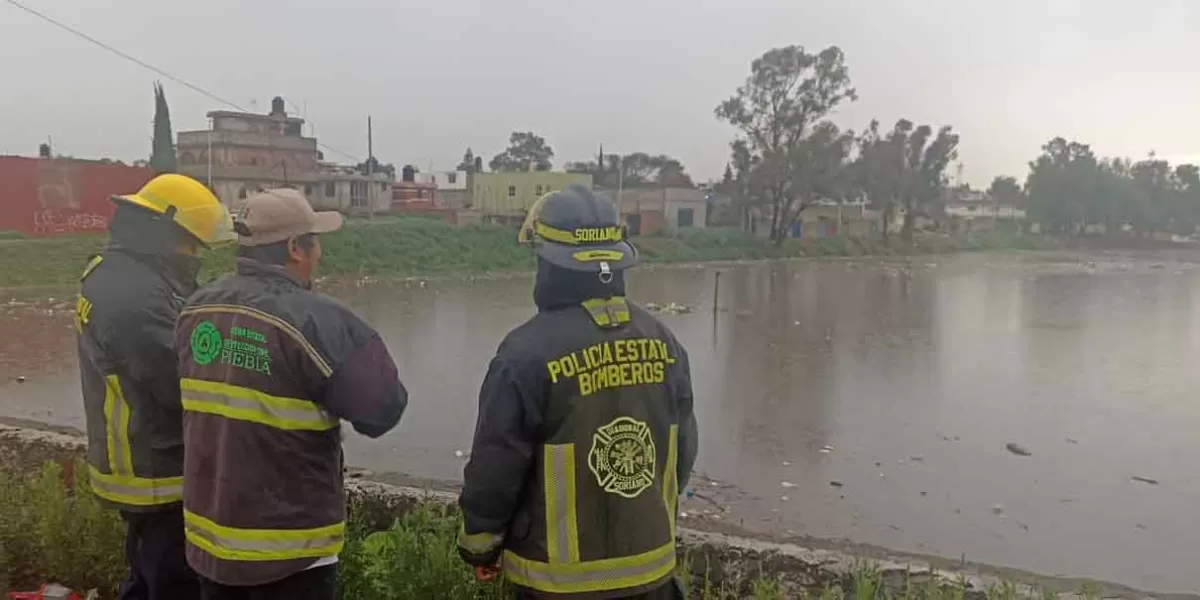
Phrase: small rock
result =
(1140, 526)
(1071, 441)
(787, 463)
(917, 458)
(783, 498)
(924, 493)
(998, 509)
(826, 449)
(683, 514)
(1145, 480)
(459, 453)
(835, 483)
(1017, 449)
(787, 484)
(20, 379)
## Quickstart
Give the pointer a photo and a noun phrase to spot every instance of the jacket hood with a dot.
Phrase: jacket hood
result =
(149, 238)
(556, 288)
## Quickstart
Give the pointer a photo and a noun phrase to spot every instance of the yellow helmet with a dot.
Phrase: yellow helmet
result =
(189, 204)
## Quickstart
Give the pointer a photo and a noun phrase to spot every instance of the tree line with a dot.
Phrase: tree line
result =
(1069, 188)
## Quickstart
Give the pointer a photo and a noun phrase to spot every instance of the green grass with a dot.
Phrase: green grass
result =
(53, 530)
(414, 246)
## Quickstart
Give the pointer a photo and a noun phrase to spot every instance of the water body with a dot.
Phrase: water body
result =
(849, 400)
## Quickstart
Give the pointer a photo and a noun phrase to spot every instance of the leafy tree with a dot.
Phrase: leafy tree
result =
(1065, 185)
(1006, 190)
(468, 161)
(907, 167)
(777, 112)
(162, 157)
(633, 170)
(526, 152)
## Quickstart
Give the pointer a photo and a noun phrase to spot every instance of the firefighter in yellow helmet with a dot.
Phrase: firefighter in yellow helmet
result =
(586, 432)
(130, 296)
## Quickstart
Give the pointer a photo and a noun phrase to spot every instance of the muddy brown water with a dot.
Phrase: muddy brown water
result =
(865, 401)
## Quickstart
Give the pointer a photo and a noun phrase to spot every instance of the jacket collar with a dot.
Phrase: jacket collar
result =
(254, 268)
(178, 271)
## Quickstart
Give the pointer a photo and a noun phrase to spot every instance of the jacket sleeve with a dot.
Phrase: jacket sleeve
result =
(501, 457)
(143, 336)
(689, 435)
(365, 389)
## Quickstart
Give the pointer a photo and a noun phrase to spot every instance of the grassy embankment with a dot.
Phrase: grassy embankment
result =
(397, 247)
(51, 531)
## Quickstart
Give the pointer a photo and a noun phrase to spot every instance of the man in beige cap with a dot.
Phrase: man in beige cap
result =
(268, 370)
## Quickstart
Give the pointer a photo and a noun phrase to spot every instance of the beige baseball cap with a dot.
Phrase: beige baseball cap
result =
(277, 215)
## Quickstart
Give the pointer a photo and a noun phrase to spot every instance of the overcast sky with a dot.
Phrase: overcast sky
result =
(635, 75)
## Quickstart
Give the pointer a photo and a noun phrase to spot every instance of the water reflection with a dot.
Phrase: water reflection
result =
(915, 374)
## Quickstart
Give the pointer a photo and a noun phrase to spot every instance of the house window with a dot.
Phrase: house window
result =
(330, 189)
(358, 194)
(512, 191)
(451, 177)
(684, 217)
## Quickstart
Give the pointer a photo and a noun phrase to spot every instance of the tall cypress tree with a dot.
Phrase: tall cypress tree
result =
(162, 158)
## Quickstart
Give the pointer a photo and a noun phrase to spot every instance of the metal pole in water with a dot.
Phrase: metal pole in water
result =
(716, 292)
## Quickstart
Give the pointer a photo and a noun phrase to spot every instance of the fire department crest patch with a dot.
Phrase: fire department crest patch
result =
(622, 457)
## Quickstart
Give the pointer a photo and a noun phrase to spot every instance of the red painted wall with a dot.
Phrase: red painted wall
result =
(40, 197)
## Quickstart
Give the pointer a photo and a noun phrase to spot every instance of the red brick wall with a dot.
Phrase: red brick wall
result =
(40, 197)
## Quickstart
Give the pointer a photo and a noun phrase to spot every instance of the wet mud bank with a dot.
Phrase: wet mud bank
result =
(722, 558)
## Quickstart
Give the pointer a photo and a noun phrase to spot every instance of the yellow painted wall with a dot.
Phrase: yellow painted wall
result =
(512, 194)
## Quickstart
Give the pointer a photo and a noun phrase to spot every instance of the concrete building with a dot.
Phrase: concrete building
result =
(821, 220)
(649, 210)
(506, 197)
(247, 152)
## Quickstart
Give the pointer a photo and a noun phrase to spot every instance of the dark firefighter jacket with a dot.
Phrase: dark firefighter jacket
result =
(267, 370)
(585, 435)
(130, 295)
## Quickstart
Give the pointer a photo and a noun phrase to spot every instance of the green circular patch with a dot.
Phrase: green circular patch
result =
(206, 343)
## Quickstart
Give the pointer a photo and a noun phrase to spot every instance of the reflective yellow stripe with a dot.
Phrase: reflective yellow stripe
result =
(562, 522)
(91, 266)
(608, 312)
(116, 428)
(250, 545)
(591, 576)
(478, 543)
(280, 324)
(671, 478)
(245, 404)
(136, 491)
(587, 235)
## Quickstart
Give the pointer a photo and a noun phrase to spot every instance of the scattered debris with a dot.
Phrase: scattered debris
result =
(1145, 480)
(835, 483)
(787, 484)
(669, 308)
(1017, 449)
(826, 449)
